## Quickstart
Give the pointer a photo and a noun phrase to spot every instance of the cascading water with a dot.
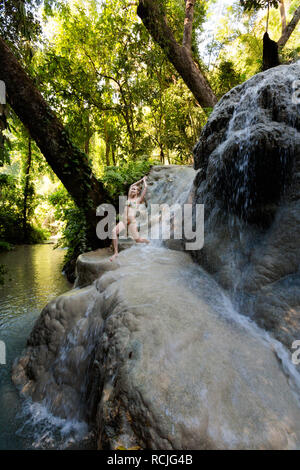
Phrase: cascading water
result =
(248, 161)
(154, 340)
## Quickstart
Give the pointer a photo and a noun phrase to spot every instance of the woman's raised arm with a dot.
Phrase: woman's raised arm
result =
(137, 183)
(143, 194)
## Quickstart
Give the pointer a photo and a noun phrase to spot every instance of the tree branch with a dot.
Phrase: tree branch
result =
(289, 29)
(282, 15)
(188, 23)
(125, 109)
(155, 22)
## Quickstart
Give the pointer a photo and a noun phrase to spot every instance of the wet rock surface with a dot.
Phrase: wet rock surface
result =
(249, 151)
(174, 370)
(248, 158)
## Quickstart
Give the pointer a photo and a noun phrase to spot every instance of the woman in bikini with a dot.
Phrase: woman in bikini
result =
(135, 197)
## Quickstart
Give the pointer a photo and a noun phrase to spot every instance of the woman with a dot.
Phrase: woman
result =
(135, 197)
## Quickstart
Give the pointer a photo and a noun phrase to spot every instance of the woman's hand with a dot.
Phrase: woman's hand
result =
(138, 183)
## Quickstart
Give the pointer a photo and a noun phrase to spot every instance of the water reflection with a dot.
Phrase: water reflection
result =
(34, 279)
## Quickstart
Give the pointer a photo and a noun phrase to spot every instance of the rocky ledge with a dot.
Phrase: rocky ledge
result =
(153, 355)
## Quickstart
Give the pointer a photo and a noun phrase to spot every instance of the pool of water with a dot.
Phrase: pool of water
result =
(34, 278)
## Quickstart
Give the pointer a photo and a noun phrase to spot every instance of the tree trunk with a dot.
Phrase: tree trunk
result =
(282, 15)
(180, 56)
(289, 29)
(26, 189)
(107, 151)
(113, 154)
(87, 146)
(67, 161)
(88, 138)
(188, 23)
(107, 143)
(162, 154)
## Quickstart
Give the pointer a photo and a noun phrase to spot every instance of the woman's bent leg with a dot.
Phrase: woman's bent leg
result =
(135, 234)
(115, 234)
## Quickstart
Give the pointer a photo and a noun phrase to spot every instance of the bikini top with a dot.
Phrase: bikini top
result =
(132, 204)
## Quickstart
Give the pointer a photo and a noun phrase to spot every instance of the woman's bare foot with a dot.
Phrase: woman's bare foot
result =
(114, 256)
(142, 240)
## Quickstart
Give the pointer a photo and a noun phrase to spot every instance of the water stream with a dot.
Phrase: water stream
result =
(34, 278)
